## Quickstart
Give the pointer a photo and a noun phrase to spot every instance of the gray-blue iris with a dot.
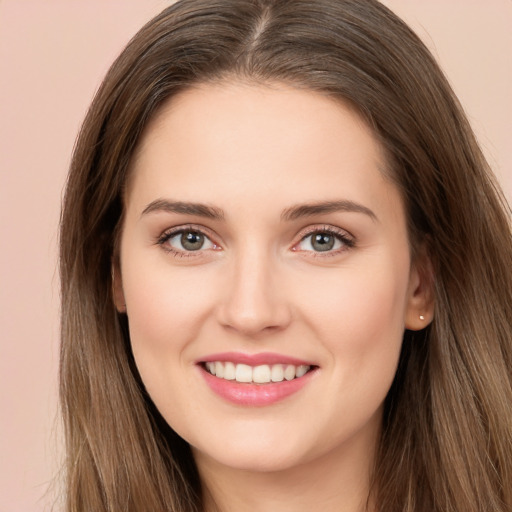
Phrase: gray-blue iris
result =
(322, 242)
(192, 241)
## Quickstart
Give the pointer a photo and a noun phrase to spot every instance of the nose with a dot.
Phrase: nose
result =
(254, 299)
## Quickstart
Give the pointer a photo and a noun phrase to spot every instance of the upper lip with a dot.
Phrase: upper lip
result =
(261, 358)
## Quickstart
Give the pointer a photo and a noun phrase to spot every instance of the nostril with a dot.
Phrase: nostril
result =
(253, 317)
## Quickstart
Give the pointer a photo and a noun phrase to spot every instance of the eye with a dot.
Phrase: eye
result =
(325, 240)
(186, 240)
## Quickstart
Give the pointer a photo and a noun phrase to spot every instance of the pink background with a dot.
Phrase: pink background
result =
(53, 54)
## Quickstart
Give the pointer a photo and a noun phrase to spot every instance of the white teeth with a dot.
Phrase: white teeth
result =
(243, 373)
(289, 372)
(262, 374)
(277, 374)
(219, 370)
(302, 370)
(229, 371)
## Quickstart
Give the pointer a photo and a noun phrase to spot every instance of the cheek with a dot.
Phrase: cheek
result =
(159, 297)
(358, 302)
(359, 318)
(165, 310)
(362, 327)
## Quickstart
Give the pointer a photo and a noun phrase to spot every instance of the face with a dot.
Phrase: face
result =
(263, 243)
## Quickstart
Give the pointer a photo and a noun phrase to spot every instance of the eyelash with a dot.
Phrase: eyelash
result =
(167, 235)
(347, 240)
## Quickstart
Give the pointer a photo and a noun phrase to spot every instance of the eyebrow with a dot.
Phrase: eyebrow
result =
(289, 214)
(308, 210)
(186, 208)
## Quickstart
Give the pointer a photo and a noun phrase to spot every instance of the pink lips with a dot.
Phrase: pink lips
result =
(247, 394)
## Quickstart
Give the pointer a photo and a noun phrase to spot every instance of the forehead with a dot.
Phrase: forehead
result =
(269, 142)
(218, 110)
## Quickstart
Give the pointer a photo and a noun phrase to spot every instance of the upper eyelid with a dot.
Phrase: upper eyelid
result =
(170, 232)
(325, 229)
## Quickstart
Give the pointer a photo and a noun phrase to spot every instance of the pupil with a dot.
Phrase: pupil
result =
(323, 242)
(192, 241)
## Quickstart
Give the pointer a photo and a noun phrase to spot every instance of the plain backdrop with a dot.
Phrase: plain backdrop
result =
(53, 54)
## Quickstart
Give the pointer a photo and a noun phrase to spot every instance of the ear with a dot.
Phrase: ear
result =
(117, 289)
(420, 299)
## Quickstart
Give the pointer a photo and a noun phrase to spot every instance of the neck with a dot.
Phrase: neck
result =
(338, 481)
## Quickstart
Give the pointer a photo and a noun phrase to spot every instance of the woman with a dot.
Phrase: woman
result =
(285, 273)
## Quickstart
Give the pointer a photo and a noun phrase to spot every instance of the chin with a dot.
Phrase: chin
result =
(259, 447)
(252, 459)
(273, 446)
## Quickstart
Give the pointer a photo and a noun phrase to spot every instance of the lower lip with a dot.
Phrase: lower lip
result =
(255, 395)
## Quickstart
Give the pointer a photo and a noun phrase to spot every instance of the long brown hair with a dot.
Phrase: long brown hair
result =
(447, 435)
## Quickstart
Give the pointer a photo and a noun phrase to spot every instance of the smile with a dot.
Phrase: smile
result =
(261, 374)
(255, 380)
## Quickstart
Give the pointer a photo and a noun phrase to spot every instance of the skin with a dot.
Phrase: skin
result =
(258, 285)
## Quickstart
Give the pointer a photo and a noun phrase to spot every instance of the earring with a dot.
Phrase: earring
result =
(422, 317)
